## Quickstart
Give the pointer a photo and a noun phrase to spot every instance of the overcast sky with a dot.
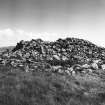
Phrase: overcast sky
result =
(51, 19)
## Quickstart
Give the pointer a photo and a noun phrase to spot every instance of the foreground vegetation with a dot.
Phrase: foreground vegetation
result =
(47, 88)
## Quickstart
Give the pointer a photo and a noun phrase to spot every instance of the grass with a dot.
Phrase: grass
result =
(46, 88)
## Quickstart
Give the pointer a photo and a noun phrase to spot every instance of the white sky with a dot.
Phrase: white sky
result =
(9, 37)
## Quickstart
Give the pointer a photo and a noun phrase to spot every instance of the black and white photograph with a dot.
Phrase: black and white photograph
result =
(52, 52)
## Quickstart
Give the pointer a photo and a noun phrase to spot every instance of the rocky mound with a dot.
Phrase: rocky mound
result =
(61, 50)
(70, 54)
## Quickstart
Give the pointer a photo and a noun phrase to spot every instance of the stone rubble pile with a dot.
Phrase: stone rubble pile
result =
(70, 55)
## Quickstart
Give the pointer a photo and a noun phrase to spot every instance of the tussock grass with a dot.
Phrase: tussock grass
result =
(46, 88)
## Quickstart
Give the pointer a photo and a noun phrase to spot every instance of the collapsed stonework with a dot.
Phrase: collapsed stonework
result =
(70, 55)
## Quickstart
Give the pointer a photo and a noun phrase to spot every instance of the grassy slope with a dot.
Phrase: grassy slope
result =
(5, 48)
(45, 88)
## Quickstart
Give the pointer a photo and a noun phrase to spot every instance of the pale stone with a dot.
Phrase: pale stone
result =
(103, 66)
(94, 66)
(86, 66)
(56, 57)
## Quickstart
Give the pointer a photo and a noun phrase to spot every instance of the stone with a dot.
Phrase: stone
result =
(56, 57)
(86, 66)
(64, 58)
(94, 66)
(60, 71)
(68, 72)
(56, 67)
(103, 66)
(97, 61)
(73, 73)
